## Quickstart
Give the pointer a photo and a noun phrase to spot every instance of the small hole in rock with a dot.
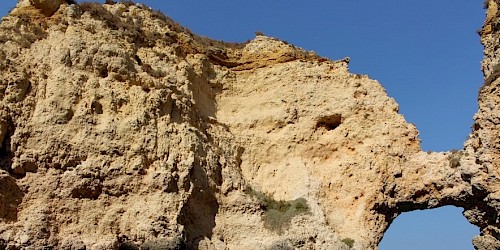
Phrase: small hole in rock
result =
(146, 89)
(104, 73)
(330, 122)
(69, 114)
(138, 59)
(96, 107)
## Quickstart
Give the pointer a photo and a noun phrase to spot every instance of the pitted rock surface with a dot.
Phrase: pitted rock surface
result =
(122, 129)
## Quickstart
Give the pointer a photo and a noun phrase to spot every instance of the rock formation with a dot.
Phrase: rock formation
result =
(47, 7)
(120, 129)
(484, 141)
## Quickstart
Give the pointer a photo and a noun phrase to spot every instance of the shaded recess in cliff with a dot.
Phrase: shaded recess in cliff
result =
(6, 154)
(10, 197)
(198, 214)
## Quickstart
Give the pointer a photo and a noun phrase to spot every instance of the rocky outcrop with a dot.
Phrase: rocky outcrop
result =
(48, 7)
(122, 129)
(484, 141)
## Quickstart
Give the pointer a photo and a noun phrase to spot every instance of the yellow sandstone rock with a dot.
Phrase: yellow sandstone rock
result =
(122, 129)
(48, 7)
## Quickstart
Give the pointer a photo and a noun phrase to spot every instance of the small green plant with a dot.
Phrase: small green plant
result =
(278, 214)
(127, 3)
(348, 241)
(486, 4)
(259, 33)
(454, 158)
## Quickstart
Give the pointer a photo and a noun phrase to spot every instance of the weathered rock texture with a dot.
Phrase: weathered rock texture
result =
(484, 141)
(121, 129)
(47, 7)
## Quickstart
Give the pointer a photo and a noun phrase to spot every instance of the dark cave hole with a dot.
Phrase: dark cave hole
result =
(330, 122)
(96, 107)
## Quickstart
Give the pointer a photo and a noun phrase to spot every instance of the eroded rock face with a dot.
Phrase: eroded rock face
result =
(120, 128)
(48, 7)
(484, 141)
(10, 197)
(104, 136)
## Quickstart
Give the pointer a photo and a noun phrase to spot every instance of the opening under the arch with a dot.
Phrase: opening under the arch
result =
(443, 228)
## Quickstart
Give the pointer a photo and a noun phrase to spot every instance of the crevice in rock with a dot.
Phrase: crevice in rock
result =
(96, 107)
(329, 122)
(6, 154)
(10, 198)
(198, 214)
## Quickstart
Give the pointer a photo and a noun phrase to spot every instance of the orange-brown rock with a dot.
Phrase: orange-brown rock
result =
(121, 129)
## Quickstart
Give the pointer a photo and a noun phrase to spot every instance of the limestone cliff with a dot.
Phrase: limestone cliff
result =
(120, 129)
(484, 141)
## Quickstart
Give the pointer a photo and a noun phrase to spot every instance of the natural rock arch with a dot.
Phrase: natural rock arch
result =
(438, 228)
(122, 124)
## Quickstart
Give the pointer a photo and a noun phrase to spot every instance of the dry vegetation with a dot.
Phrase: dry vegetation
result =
(278, 214)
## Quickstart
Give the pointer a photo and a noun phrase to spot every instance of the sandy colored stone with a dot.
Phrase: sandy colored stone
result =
(48, 7)
(122, 129)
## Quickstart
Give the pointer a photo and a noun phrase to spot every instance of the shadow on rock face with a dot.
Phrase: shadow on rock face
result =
(198, 214)
(164, 244)
(10, 197)
(6, 154)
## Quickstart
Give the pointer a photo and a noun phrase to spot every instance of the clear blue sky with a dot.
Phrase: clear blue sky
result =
(425, 53)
